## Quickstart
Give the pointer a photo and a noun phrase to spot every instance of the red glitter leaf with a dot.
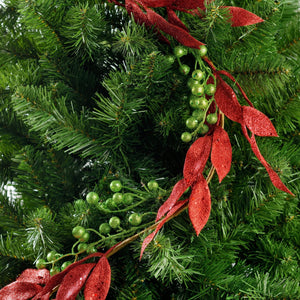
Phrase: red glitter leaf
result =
(221, 152)
(139, 16)
(19, 291)
(227, 101)
(237, 84)
(57, 279)
(178, 33)
(199, 205)
(272, 174)
(196, 158)
(257, 122)
(189, 4)
(73, 282)
(178, 189)
(98, 283)
(150, 237)
(173, 19)
(242, 17)
(41, 276)
(158, 3)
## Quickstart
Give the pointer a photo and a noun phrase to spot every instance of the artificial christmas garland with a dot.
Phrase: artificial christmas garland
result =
(212, 99)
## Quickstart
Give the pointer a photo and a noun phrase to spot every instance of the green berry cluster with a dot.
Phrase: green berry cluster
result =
(123, 222)
(201, 93)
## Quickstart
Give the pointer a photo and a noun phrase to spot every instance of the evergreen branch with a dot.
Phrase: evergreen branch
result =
(55, 124)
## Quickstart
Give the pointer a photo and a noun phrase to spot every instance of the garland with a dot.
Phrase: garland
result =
(38, 285)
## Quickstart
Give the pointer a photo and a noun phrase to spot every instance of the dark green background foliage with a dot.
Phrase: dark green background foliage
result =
(88, 96)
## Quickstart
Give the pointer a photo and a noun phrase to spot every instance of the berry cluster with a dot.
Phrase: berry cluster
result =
(123, 222)
(202, 85)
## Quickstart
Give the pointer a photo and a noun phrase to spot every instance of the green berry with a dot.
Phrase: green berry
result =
(91, 250)
(197, 89)
(54, 271)
(203, 103)
(212, 118)
(191, 82)
(191, 123)
(78, 232)
(184, 69)
(198, 114)
(117, 198)
(104, 228)
(194, 101)
(152, 185)
(127, 199)
(110, 204)
(92, 198)
(115, 186)
(198, 75)
(135, 219)
(65, 265)
(203, 129)
(186, 137)
(170, 59)
(180, 51)
(40, 263)
(85, 237)
(51, 255)
(114, 222)
(203, 50)
(210, 89)
(82, 247)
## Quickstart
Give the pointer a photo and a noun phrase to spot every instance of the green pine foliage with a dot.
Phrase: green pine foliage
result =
(87, 96)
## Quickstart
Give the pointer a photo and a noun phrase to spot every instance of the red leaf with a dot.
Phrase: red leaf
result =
(41, 276)
(173, 19)
(257, 122)
(178, 33)
(199, 205)
(227, 101)
(19, 291)
(73, 282)
(97, 285)
(189, 4)
(158, 3)
(57, 279)
(236, 83)
(273, 175)
(150, 237)
(196, 158)
(178, 189)
(221, 152)
(242, 17)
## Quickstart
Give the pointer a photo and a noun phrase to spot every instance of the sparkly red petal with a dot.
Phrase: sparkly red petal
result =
(242, 17)
(273, 175)
(19, 291)
(199, 205)
(73, 282)
(178, 33)
(221, 152)
(257, 122)
(178, 189)
(40, 276)
(57, 279)
(150, 237)
(189, 4)
(235, 83)
(173, 19)
(196, 158)
(227, 101)
(98, 283)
